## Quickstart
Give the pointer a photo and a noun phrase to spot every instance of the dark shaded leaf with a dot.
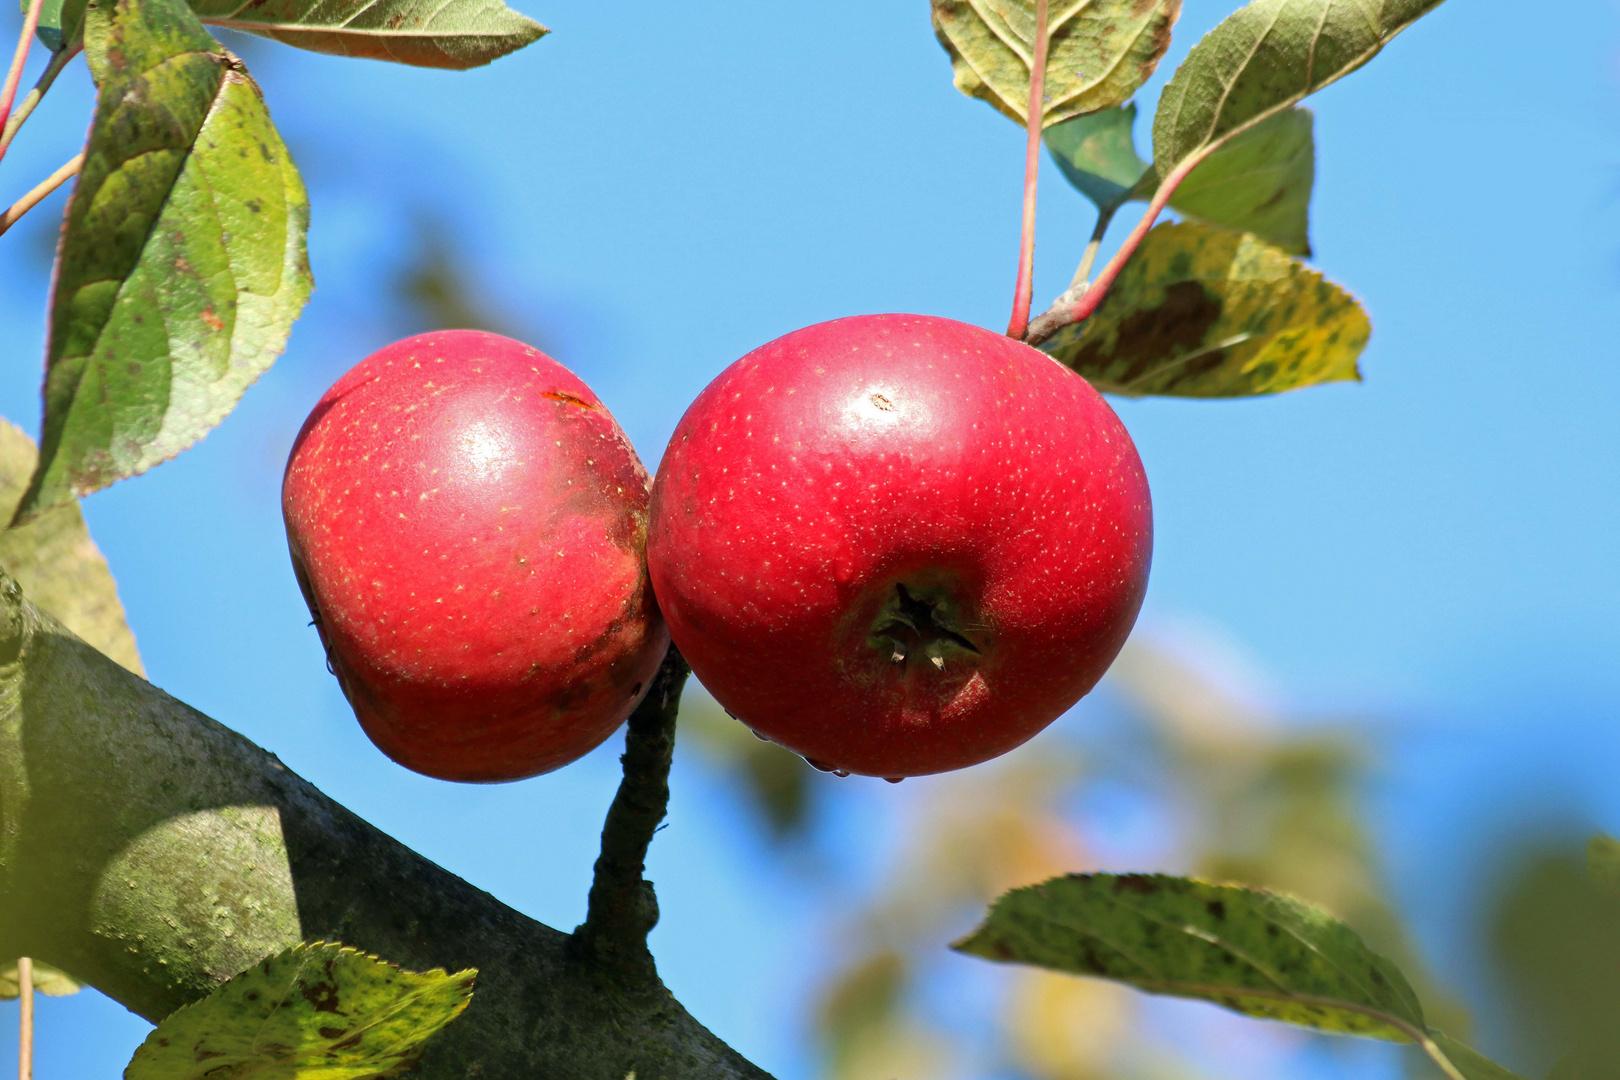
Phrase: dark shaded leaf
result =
(183, 262)
(1257, 953)
(1100, 51)
(57, 564)
(316, 1010)
(1263, 58)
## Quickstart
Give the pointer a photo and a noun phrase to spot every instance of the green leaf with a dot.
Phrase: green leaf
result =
(47, 980)
(1259, 182)
(321, 1011)
(1097, 155)
(1203, 312)
(1263, 58)
(454, 34)
(182, 263)
(1100, 51)
(1472, 1064)
(1257, 953)
(57, 564)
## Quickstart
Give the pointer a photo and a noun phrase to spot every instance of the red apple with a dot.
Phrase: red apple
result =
(898, 544)
(468, 525)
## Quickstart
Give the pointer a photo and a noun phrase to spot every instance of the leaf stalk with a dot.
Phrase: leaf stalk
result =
(14, 122)
(69, 168)
(8, 92)
(1034, 124)
(25, 1032)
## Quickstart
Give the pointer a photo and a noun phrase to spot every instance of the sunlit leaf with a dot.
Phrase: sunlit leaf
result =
(182, 264)
(47, 980)
(1097, 154)
(1259, 182)
(1204, 312)
(1261, 954)
(321, 1012)
(57, 564)
(1263, 58)
(1100, 51)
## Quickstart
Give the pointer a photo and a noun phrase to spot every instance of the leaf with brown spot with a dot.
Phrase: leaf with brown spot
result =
(171, 295)
(1205, 312)
(1099, 51)
(317, 1010)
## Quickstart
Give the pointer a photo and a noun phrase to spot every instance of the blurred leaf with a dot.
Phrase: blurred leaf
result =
(1261, 59)
(1471, 1063)
(321, 1011)
(437, 287)
(1100, 51)
(1060, 1028)
(1555, 936)
(864, 998)
(1260, 954)
(777, 779)
(1603, 860)
(1203, 312)
(47, 980)
(55, 561)
(1258, 182)
(183, 263)
(1097, 155)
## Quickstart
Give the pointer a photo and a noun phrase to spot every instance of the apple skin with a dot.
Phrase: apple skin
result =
(468, 523)
(898, 544)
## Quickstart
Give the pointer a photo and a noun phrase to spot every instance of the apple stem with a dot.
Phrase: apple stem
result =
(1034, 122)
(8, 92)
(25, 1033)
(623, 907)
(1079, 300)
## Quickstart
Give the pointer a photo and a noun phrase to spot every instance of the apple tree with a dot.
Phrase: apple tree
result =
(153, 853)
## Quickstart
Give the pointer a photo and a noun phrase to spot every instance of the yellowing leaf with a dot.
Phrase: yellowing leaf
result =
(1204, 312)
(317, 1011)
(57, 564)
(47, 980)
(1099, 51)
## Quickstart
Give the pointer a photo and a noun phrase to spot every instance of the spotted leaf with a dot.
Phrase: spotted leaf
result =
(320, 1011)
(1205, 312)
(182, 262)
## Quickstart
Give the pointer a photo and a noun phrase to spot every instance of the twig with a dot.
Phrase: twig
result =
(1079, 301)
(25, 1034)
(44, 188)
(623, 908)
(14, 122)
(8, 92)
(1034, 123)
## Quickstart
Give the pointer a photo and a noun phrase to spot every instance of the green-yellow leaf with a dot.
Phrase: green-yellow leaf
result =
(1258, 182)
(47, 980)
(315, 1012)
(1261, 954)
(1263, 58)
(1603, 861)
(57, 564)
(1204, 312)
(182, 264)
(1099, 51)
(1472, 1064)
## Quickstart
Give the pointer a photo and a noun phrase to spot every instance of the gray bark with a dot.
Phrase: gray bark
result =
(153, 853)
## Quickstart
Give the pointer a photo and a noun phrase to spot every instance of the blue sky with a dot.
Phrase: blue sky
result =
(655, 189)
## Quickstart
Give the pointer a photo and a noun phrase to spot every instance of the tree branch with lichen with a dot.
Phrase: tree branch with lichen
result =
(153, 853)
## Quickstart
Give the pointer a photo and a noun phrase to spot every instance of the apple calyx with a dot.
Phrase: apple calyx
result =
(921, 621)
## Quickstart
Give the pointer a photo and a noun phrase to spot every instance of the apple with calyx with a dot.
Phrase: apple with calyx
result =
(897, 544)
(468, 523)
